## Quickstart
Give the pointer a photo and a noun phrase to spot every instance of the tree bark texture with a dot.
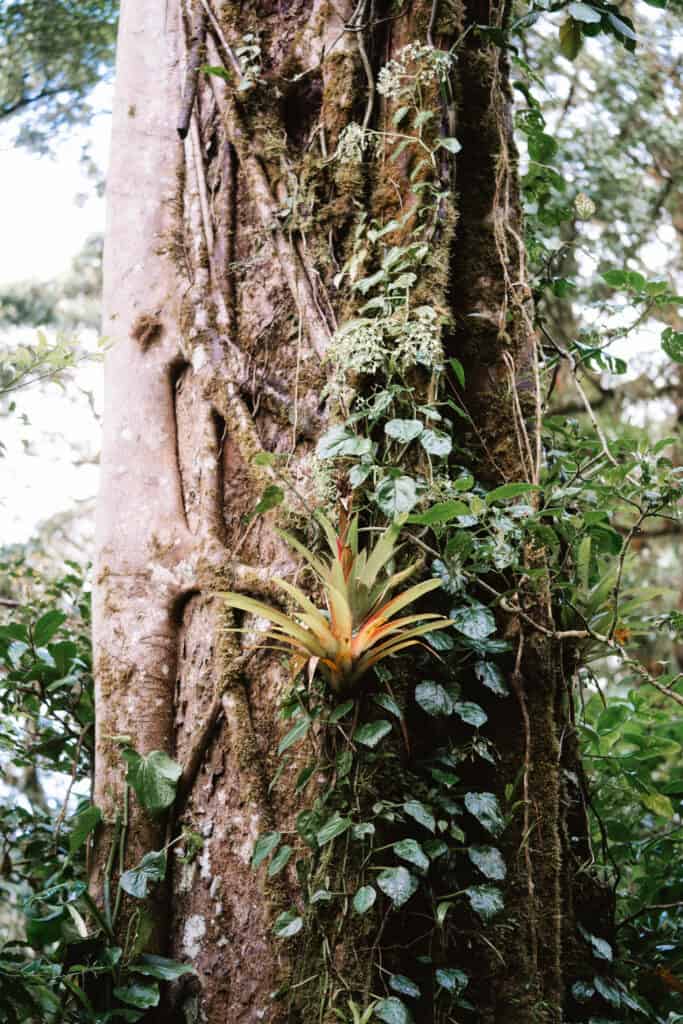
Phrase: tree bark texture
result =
(228, 221)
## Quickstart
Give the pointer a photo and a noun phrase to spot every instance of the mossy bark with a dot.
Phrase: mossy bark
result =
(228, 243)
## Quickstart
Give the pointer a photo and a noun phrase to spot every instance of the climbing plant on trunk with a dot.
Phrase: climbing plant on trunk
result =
(316, 291)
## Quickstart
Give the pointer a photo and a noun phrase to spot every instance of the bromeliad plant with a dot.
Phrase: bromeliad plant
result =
(358, 629)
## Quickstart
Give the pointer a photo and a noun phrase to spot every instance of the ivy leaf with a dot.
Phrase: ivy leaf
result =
(474, 620)
(451, 979)
(398, 884)
(340, 441)
(279, 861)
(471, 713)
(139, 994)
(485, 900)
(403, 430)
(490, 676)
(420, 813)
(388, 703)
(364, 899)
(153, 778)
(151, 869)
(264, 846)
(161, 967)
(404, 986)
(83, 824)
(410, 850)
(359, 473)
(433, 698)
(393, 1011)
(489, 860)
(435, 848)
(436, 443)
(332, 828)
(486, 809)
(372, 732)
(583, 12)
(396, 495)
(601, 948)
(287, 924)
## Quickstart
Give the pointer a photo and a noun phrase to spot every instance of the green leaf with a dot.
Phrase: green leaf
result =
(372, 732)
(151, 869)
(393, 1011)
(435, 848)
(485, 900)
(153, 778)
(452, 145)
(161, 967)
(658, 804)
(582, 991)
(287, 924)
(570, 39)
(364, 899)
(411, 851)
(46, 627)
(507, 491)
(489, 860)
(622, 27)
(672, 344)
(433, 698)
(609, 992)
(398, 884)
(332, 828)
(451, 979)
(396, 495)
(403, 430)
(459, 371)
(601, 948)
(82, 825)
(279, 861)
(340, 711)
(294, 735)
(340, 441)
(490, 676)
(471, 713)
(486, 809)
(473, 620)
(138, 994)
(441, 512)
(404, 986)
(583, 12)
(272, 497)
(264, 846)
(420, 813)
(219, 72)
(387, 703)
(436, 443)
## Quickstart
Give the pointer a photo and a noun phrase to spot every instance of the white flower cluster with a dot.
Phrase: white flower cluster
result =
(352, 142)
(584, 206)
(420, 341)
(432, 65)
(357, 347)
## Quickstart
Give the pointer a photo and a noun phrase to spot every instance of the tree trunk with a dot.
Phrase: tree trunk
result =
(222, 295)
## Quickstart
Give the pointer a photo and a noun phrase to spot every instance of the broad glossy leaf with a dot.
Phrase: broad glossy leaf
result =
(433, 698)
(396, 495)
(287, 924)
(364, 899)
(486, 809)
(489, 860)
(154, 778)
(138, 994)
(420, 813)
(404, 986)
(161, 967)
(411, 851)
(436, 443)
(371, 733)
(403, 430)
(398, 884)
(470, 713)
(393, 1011)
(151, 869)
(485, 900)
(452, 979)
(490, 676)
(264, 846)
(474, 620)
(332, 828)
